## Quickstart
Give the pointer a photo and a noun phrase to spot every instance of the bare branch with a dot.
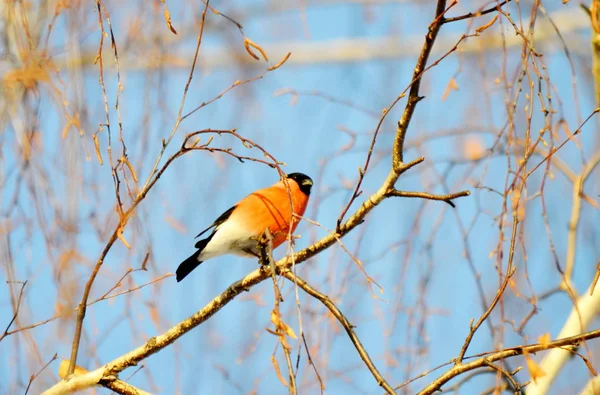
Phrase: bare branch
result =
(345, 323)
(424, 195)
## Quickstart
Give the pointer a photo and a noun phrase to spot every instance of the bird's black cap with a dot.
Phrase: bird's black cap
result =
(304, 182)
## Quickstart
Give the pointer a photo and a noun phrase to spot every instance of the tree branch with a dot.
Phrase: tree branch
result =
(345, 323)
(152, 178)
(112, 383)
(484, 361)
(478, 13)
(159, 342)
(424, 195)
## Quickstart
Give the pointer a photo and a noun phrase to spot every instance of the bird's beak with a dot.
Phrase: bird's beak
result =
(307, 182)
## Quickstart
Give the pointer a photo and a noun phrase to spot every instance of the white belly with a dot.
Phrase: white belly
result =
(231, 238)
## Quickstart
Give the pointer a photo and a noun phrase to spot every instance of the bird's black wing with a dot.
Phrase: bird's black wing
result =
(222, 218)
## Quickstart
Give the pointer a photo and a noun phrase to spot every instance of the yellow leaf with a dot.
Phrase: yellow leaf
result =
(278, 371)
(544, 340)
(513, 285)
(168, 18)
(63, 368)
(452, 86)
(534, 369)
(97, 147)
(282, 326)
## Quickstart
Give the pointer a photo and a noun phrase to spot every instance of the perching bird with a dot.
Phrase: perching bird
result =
(237, 230)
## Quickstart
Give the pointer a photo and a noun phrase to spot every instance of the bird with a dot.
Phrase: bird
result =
(238, 230)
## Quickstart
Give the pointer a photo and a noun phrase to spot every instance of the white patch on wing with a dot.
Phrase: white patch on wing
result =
(231, 237)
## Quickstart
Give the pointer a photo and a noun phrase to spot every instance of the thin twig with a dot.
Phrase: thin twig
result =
(484, 361)
(345, 323)
(510, 271)
(123, 218)
(34, 376)
(424, 195)
(16, 313)
(477, 13)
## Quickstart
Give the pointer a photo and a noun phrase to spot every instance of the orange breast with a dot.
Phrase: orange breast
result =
(270, 208)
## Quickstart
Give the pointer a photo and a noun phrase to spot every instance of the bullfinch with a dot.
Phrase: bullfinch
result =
(238, 230)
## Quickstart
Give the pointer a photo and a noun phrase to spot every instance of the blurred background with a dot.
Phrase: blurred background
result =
(495, 104)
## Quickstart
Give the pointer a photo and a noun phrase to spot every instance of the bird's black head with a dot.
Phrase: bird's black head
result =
(304, 181)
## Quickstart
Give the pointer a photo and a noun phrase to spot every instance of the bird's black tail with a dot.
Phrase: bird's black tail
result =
(187, 266)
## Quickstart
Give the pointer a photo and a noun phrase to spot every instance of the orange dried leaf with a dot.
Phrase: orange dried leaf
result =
(97, 147)
(281, 326)
(28, 76)
(168, 18)
(63, 369)
(278, 371)
(452, 86)
(545, 340)
(514, 198)
(513, 285)
(589, 365)
(534, 369)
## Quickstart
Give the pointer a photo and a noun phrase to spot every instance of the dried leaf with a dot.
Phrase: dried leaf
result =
(63, 369)
(545, 340)
(534, 369)
(168, 18)
(452, 86)
(97, 147)
(513, 286)
(29, 76)
(588, 364)
(278, 370)
(281, 326)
